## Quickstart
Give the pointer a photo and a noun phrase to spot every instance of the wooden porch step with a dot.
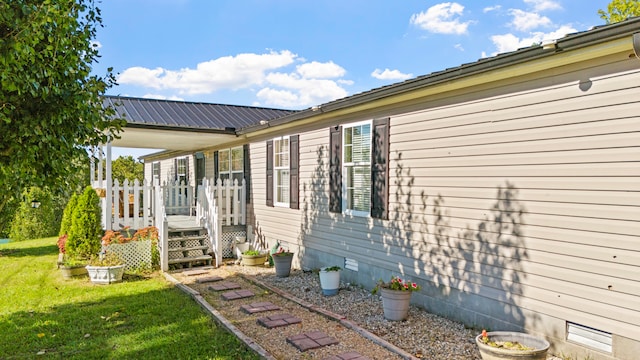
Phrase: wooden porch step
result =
(191, 259)
(187, 238)
(178, 249)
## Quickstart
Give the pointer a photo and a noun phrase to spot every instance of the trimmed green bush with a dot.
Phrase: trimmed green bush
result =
(65, 224)
(86, 226)
(30, 223)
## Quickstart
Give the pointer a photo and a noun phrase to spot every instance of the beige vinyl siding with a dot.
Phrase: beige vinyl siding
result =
(566, 165)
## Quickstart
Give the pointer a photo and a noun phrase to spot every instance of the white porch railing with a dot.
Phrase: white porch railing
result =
(162, 224)
(207, 216)
(140, 204)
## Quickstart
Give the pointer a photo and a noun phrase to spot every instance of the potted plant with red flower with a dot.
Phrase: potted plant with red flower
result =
(396, 297)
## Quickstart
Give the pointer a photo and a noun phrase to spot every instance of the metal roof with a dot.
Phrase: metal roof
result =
(191, 116)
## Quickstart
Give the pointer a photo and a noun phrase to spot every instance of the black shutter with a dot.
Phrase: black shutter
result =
(175, 170)
(216, 168)
(186, 170)
(270, 173)
(335, 169)
(247, 170)
(380, 169)
(294, 160)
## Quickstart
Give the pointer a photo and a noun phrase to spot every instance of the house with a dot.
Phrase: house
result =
(508, 188)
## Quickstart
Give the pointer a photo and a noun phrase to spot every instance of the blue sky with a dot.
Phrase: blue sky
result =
(297, 53)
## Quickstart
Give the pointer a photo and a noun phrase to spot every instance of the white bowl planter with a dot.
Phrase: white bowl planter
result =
(329, 281)
(539, 346)
(105, 274)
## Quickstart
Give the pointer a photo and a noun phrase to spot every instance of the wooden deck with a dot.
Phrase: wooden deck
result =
(182, 222)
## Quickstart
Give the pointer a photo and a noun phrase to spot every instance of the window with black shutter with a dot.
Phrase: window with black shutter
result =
(283, 155)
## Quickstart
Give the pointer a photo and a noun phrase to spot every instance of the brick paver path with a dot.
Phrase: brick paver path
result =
(208, 279)
(278, 320)
(352, 355)
(237, 294)
(259, 307)
(225, 285)
(311, 340)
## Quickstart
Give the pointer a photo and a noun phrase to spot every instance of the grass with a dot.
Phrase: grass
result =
(44, 316)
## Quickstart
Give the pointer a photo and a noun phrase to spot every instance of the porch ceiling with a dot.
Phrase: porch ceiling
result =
(169, 139)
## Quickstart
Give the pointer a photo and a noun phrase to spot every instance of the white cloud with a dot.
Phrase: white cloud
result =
(458, 47)
(310, 83)
(390, 75)
(491, 8)
(316, 69)
(297, 91)
(510, 42)
(162, 97)
(442, 18)
(525, 21)
(542, 5)
(229, 72)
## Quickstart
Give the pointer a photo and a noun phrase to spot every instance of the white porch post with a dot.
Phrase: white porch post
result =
(109, 190)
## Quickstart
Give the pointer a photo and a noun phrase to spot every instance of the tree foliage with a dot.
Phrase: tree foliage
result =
(32, 223)
(620, 10)
(50, 103)
(67, 215)
(126, 167)
(86, 226)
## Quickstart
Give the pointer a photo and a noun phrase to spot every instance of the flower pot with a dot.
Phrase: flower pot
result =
(539, 352)
(282, 263)
(329, 282)
(69, 272)
(105, 274)
(254, 260)
(395, 304)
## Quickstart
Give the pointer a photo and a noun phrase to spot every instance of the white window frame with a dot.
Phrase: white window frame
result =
(182, 178)
(278, 172)
(155, 166)
(345, 168)
(232, 173)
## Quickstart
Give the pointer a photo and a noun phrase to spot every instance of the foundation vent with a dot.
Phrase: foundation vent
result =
(351, 264)
(590, 337)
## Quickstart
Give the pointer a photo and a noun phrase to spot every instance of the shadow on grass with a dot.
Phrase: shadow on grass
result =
(10, 250)
(152, 324)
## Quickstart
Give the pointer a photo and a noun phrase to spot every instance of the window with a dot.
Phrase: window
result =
(155, 172)
(182, 169)
(231, 164)
(356, 169)
(282, 172)
(359, 169)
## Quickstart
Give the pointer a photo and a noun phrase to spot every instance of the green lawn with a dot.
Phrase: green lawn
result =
(44, 316)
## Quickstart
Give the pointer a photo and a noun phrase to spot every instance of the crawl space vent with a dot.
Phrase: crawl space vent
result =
(590, 337)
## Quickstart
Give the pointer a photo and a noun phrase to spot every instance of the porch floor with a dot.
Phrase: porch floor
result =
(182, 223)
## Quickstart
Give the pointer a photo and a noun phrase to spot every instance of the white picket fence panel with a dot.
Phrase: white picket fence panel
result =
(178, 198)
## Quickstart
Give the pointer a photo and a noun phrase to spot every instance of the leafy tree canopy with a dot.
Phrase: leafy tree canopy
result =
(50, 103)
(619, 10)
(126, 167)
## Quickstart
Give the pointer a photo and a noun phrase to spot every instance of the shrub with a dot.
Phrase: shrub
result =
(65, 224)
(86, 225)
(30, 223)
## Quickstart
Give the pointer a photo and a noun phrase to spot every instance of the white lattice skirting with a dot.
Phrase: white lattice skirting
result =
(135, 254)
(228, 240)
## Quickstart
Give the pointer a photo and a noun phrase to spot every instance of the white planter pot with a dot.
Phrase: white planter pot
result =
(105, 274)
(329, 282)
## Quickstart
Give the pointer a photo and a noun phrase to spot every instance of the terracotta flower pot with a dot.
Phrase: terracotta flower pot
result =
(539, 346)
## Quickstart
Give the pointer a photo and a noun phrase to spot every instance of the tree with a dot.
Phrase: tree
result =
(50, 103)
(126, 167)
(32, 223)
(619, 10)
(86, 225)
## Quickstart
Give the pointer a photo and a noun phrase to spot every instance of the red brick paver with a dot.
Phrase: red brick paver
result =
(259, 307)
(237, 294)
(225, 285)
(278, 320)
(311, 340)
